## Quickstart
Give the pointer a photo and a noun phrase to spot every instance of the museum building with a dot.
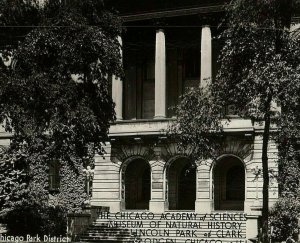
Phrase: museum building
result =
(168, 48)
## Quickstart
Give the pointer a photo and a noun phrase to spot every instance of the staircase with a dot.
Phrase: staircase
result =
(171, 226)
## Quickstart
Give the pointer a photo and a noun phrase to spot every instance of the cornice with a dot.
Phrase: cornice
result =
(173, 13)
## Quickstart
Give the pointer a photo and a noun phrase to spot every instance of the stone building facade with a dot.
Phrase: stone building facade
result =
(166, 50)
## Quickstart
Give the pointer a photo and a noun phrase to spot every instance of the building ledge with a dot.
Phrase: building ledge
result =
(173, 13)
(140, 127)
(160, 127)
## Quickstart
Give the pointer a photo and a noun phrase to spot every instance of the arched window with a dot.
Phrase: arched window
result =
(229, 184)
(137, 177)
(181, 180)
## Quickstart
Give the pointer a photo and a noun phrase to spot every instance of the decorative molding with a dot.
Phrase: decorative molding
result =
(165, 150)
(173, 13)
(171, 151)
(131, 151)
(241, 147)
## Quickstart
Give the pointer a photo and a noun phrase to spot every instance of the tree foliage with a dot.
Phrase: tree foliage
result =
(284, 218)
(286, 212)
(198, 124)
(259, 68)
(54, 95)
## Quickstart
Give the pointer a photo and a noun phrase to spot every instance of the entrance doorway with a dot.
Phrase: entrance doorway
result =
(229, 184)
(137, 185)
(182, 185)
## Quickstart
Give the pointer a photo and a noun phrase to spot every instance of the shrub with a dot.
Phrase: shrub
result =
(31, 218)
(284, 218)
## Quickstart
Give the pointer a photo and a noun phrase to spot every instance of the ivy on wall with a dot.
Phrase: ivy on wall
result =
(54, 99)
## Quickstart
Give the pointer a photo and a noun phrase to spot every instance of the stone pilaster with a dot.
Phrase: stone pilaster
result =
(160, 75)
(204, 201)
(117, 91)
(206, 56)
(157, 202)
(105, 170)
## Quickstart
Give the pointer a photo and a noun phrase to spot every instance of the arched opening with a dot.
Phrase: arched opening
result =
(182, 185)
(137, 185)
(229, 184)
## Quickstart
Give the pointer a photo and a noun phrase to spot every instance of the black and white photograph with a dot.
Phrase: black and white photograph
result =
(149, 121)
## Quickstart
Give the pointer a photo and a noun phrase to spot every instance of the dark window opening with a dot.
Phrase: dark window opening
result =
(139, 80)
(54, 179)
(229, 184)
(181, 185)
(235, 189)
(137, 185)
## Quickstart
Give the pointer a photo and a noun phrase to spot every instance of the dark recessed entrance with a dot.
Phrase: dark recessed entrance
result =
(182, 185)
(229, 184)
(137, 185)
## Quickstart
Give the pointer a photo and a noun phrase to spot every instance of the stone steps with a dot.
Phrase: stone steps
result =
(178, 227)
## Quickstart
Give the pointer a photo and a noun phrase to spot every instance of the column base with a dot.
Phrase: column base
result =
(157, 206)
(203, 206)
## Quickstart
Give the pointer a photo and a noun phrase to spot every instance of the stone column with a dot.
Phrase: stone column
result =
(206, 56)
(117, 91)
(160, 75)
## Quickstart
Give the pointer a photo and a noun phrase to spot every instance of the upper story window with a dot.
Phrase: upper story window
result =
(191, 65)
(183, 63)
(139, 64)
